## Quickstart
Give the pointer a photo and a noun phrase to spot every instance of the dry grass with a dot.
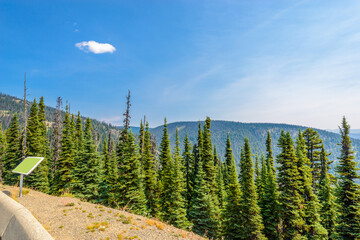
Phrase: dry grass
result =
(69, 218)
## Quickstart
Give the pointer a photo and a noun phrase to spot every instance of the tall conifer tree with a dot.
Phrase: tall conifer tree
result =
(2, 152)
(328, 212)
(348, 190)
(201, 212)
(270, 210)
(189, 170)
(172, 203)
(232, 222)
(250, 210)
(313, 146)
(130, 184)
(229, 158)
(64, 166)
(87, 169)
(13, 153)
(311, 206)
(150, 181)
(290, 199)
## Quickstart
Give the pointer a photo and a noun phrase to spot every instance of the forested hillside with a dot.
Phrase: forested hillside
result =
(286, 193)
(255, 132)
(10, 105)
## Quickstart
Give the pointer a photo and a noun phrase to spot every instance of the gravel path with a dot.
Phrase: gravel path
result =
(69, 218)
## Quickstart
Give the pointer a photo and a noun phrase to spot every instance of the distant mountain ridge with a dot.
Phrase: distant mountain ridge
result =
(255, 132)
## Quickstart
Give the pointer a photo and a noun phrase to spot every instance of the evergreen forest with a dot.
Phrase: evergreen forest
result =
(294, 187)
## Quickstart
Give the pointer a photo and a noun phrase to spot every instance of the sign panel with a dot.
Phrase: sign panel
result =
(28, 165)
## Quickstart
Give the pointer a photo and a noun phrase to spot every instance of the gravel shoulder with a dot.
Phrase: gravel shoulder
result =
(69, 218)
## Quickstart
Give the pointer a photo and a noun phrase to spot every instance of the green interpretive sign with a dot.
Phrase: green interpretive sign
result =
(25, 168)
(28, 165)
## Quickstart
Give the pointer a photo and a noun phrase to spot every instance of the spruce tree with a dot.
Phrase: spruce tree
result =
(220, 187)
(87, 170)
(229, 158)
(313, 146)
(250, 211)
(270, 207)
(201, 212)
(45, 150)
(150, 181)
(13, 154)
(64, 165)
(35, 142)
(348, 190)
(33, 132)
(109, 175)
(172, 202)
(290, 199)
(232, 222)
(189, 170)
(209, 168)
(177, 210)
(77, 185)
(328, 211)
(130, 183)
(311, 207)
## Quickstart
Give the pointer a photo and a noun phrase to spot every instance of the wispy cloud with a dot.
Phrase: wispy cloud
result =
(95, 47)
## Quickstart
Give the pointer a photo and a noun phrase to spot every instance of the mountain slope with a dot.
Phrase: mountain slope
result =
(10, 105)
(255, 132)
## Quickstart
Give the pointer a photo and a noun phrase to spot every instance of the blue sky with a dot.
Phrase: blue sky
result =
(282, 61)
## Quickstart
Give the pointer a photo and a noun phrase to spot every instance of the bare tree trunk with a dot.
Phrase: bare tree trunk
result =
(57, 133)
(25, 121)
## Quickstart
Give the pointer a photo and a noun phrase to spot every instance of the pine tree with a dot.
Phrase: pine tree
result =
(189, 170)
(270, 210)
(348, 191)
(65, 163)
(290, 199)
(250, 210)
(313, 146)
(232, 222)
(130, 183)
(2, 152)
(327, 199)
(150, 181)
(311, 206)
(13, 153)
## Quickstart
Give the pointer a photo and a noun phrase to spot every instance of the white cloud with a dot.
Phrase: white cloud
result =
(95, 47)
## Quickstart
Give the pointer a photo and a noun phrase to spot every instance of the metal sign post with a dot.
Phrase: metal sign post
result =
(21, 184)
(25, 168)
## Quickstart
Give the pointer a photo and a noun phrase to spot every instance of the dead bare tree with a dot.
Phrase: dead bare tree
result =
(25, 121)
(57, 133)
